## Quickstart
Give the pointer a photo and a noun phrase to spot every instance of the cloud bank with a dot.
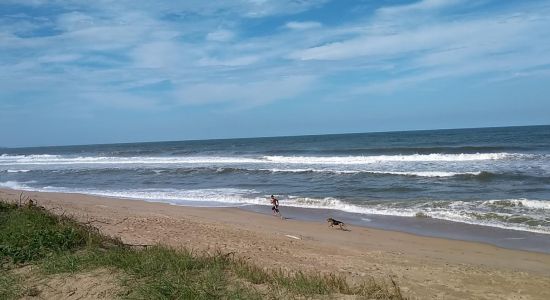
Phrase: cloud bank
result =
(87, 56)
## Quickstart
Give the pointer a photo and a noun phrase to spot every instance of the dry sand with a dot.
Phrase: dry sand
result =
(424, 267)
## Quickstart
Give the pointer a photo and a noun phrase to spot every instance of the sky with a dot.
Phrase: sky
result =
(106, 71)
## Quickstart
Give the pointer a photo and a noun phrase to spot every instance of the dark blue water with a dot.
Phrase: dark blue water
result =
(493, 176)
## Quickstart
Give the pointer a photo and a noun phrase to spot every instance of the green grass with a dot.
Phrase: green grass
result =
(61, 245)
(9, 285)
(30, 234)
(154, 273)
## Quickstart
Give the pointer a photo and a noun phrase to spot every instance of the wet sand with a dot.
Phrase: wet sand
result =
(424, 267)
(505, 238)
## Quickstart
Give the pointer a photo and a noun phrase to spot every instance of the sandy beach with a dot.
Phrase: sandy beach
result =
(152, 135)
(424, 267)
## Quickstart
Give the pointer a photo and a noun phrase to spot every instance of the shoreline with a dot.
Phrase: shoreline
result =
(508, 238)
(426, 267)
(426, 227)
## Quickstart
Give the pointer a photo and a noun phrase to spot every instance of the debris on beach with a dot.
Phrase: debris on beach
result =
(293, 237)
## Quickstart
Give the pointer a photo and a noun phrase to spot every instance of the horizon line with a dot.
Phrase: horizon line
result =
(265, 137)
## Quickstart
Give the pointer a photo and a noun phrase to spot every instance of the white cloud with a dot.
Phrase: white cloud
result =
(162, 54)
(221, 35)
(75, 21)
(118, 46)
(431, 46)
(262, 8)
(246, 93)
(230, 62)
(419, 6)
(302, 25)
(246, 8)
(59, 58)
(120, 100)
(382, 45)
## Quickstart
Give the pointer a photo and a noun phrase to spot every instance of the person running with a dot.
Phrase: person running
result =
(275, 207)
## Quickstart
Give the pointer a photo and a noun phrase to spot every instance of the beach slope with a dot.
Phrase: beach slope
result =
(424, 267)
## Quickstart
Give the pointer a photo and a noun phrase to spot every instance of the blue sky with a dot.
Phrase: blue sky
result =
(78, 72)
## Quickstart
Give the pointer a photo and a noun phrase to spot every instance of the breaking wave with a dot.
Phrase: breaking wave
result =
(46, 159)
(357, 160)
(17, 171)
(518, 214)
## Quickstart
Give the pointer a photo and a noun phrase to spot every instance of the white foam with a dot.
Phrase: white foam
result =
(358, 160)
(242, 197)
(18, 171)
(223, 195)
(539, 204)
(456, 211)
(211, 197)
(462, 217)
(418, 173)
(426, 173)
(536, 204)
(103, 160)
(46, 159)
(8, 157)
(15, 185)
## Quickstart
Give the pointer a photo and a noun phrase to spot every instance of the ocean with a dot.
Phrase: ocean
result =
(493, 177)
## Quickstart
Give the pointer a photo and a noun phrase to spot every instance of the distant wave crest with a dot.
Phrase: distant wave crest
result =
(46, 159)
(17, 171)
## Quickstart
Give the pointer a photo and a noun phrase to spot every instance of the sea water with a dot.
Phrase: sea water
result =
(496, 177)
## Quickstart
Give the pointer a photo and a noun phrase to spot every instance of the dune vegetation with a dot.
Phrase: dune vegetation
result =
(36, 244)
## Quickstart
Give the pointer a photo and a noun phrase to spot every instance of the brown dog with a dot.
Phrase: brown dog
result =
(332, 222)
